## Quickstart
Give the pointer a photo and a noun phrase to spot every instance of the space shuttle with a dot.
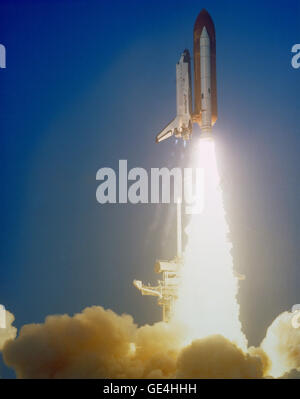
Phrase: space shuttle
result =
(205, 85)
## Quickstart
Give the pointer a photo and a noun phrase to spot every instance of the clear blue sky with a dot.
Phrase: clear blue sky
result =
(91, 82)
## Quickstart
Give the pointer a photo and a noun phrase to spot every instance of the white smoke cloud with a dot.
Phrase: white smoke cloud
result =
(282, 345)
(9, 332)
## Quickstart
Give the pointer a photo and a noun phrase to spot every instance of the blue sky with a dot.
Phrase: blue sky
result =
(90, 82)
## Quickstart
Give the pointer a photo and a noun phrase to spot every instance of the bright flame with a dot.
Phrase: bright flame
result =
(207, 296)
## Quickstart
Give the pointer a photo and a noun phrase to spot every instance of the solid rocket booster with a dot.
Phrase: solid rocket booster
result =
(205, 81)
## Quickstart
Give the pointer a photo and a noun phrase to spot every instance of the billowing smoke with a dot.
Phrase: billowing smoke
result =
(98, 343)
(216, 357)
(7, 331)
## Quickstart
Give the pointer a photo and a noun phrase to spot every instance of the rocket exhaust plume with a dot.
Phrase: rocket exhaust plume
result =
(207, 301)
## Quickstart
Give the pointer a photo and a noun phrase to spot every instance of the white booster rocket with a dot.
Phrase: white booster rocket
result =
(205, 81)
(205, 87)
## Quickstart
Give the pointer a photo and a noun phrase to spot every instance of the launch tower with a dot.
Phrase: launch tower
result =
(167, 288)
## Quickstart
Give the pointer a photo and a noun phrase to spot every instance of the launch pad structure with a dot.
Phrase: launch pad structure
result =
(167, 288)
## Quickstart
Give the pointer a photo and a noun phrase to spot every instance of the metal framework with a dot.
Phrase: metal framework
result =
(167, 288)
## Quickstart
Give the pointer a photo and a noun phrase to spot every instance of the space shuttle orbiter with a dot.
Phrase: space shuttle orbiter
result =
(181, 126)
(205, 85)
